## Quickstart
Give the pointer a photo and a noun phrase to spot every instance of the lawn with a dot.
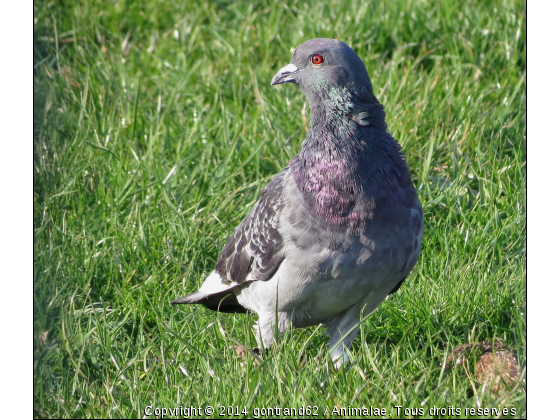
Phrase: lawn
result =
(156, 128)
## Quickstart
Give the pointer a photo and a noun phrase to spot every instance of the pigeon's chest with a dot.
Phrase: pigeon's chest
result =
(383, 242)
(329, 195)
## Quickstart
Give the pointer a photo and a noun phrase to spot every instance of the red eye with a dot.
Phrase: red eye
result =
(317, 59)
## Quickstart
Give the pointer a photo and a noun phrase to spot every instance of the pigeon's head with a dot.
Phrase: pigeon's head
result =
(324, 67)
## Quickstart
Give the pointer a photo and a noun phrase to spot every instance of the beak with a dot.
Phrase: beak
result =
(285, 75)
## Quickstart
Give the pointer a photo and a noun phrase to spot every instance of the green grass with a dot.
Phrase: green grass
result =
(156, 128)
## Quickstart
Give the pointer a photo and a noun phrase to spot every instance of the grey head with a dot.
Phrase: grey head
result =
(337, 86)
(320, 65)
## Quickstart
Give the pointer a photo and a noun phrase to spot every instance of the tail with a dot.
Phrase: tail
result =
(195, 297)
(220, 302)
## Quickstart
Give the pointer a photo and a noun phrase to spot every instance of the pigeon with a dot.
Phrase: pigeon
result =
(336, 231)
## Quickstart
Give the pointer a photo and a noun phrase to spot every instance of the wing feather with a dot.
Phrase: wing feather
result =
(255, 250)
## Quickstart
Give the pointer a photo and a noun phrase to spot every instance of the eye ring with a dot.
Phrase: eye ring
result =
(317, 59)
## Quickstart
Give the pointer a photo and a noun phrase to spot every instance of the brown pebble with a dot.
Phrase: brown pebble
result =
(498, 370)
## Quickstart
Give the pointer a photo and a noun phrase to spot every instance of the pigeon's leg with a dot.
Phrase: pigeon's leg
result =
(343, 328)
(340, 338)
(270, 325)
